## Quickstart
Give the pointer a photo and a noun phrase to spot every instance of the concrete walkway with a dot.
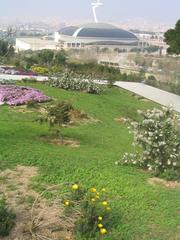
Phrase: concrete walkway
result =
(20, 77)
(154, 94)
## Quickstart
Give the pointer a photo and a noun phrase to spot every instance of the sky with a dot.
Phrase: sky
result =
(160, 11)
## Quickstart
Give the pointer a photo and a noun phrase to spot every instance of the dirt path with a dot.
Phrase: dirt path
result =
(36, 217)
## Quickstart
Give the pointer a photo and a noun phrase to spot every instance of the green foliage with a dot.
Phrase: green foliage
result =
(56, 115)
(40, 70)
(97, 71)
(172, 38)
(46, 56)
(60, 58)
(73, 81)
(136, 206)
(29, 80)
(6, 218)
(60, 113)
(158, 134)
(94, 211)
(6, 49)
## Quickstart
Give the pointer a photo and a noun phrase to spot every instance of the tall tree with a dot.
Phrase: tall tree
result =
(172, 38)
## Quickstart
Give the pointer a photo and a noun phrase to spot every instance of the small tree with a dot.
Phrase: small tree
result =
(56, 116)
(158, 134)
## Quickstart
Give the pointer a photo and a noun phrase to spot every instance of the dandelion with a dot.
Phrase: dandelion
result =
(75, 187)
(105, 203)
(93, 190)
(103, 189)
(67, 203)
(100, 225)
(93, 200)
(100, 218)
(103, 231)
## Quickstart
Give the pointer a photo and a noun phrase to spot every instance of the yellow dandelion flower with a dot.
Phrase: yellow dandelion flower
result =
(75, 187)
(103, 190)
(67, 203)
(93, 190)
(103, 231)
(105, 203)
(93, 200)
(100, 225)
(100, 218)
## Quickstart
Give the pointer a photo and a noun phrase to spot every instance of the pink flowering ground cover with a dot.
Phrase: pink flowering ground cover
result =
(14, 95)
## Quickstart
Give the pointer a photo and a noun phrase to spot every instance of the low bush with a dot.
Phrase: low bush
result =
(94, 220)
(72, 81)
(40, 70)
(56, 116)
(7, 82)
(158, 134)
(6, 218)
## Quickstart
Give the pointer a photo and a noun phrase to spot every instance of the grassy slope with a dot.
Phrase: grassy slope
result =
(140, 211)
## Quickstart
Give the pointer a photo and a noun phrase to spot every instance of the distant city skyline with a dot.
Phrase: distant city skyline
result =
(153, 11)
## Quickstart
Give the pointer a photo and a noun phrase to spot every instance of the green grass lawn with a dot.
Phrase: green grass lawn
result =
(140, 211)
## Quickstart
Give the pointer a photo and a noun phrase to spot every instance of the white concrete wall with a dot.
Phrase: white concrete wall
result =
(21, 45)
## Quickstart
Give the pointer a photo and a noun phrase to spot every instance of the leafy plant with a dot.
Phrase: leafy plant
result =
(6, 218)
(94, 211)
(72, 81)
(57, 115)
(158, 134)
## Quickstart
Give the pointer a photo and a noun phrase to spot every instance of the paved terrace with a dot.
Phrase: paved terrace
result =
(20, 77)
(154, 94)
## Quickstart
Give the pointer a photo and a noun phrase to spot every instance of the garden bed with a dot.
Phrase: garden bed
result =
(14, 95)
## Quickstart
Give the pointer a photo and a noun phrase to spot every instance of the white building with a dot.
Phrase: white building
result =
(34, 44)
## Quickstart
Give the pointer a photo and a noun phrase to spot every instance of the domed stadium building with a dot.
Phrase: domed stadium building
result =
(95, 35)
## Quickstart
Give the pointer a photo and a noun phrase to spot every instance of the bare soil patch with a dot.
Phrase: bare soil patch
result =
(36, 218)
(61, 142)
(161, 182)
(121, 120)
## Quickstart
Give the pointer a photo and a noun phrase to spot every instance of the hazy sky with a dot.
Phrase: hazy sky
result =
(162, 11)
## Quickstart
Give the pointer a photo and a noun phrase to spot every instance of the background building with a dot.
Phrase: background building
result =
(95, 34)
(34, 44)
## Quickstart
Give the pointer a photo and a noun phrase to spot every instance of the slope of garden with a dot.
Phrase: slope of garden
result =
(139, 210)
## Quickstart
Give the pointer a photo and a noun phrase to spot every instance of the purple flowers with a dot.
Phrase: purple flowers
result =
(14, 95)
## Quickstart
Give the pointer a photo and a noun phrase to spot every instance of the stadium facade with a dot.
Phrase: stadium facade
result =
(95, 34)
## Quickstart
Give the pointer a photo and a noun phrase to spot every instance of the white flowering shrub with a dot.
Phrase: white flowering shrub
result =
(73, 81)
(158, 134)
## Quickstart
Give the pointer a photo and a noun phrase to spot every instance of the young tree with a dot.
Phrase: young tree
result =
(56, 116)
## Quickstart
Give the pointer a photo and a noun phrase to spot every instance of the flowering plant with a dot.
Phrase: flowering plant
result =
(14, 95)
(158, 134)
(93, 208)
(77, 82)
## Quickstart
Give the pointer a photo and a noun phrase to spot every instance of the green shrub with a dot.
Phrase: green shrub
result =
(56, 116)
(73, 81)
(158, 134)
(29, 80)
(6, 218)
